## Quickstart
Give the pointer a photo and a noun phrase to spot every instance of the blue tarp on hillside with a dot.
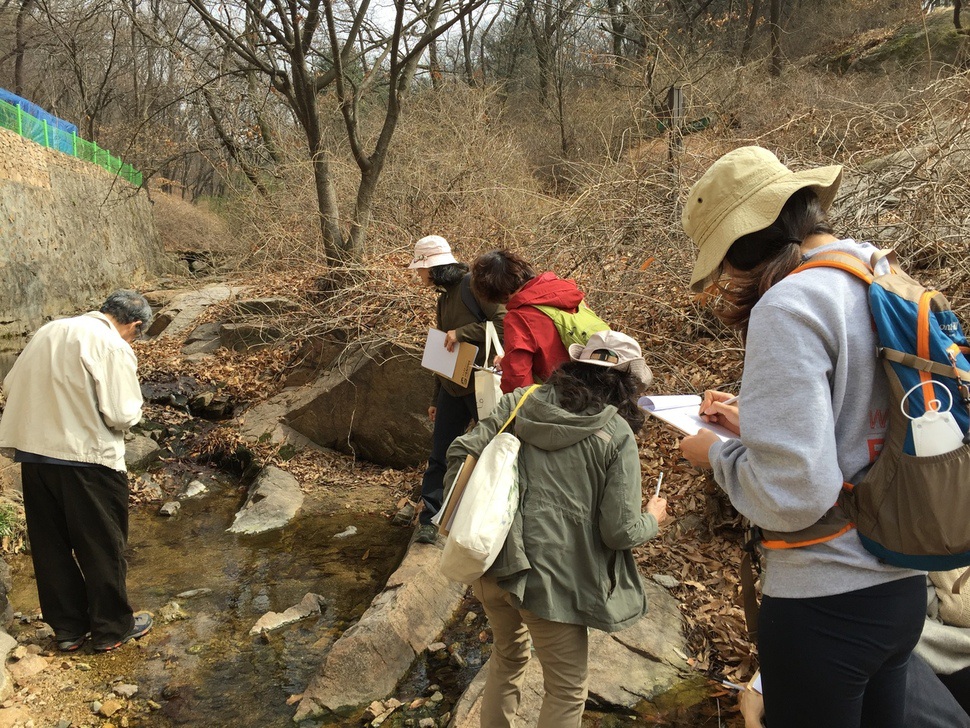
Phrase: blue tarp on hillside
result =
(58, 134)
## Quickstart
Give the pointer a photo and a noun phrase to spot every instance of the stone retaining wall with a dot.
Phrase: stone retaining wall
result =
(70, 233)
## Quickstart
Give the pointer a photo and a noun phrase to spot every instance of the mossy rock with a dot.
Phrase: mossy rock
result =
(910, 46)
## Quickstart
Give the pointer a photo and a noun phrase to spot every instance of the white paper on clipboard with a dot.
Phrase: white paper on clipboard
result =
(455, 365)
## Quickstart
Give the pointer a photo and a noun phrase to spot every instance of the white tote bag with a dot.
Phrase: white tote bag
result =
(487, 381)
(484, 511)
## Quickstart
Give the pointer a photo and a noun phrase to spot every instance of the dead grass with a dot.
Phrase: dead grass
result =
(184, 226)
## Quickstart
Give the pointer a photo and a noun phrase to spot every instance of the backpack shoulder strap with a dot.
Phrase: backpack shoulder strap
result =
(842, 261)
(515, 411)
(468, 298)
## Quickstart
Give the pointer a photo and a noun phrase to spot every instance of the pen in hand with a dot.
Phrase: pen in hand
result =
(732, 400)
(659, 481)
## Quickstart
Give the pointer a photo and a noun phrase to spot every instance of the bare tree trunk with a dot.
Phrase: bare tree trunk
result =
(433, 66)
(333, 244)
(775, 21)
(956, 13)
(306, 107)
(231, 147)
(265, 131)
(467, 39)
(749, 30)
(617, 27)
(21, 48)
(135, 96)
(564, 145)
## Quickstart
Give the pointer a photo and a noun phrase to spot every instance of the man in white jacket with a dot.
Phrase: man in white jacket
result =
(70, 397)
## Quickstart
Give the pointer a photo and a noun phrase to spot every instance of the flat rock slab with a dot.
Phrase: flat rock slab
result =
(273, 501)
(184, 309)
(369, 659)
(625, 667)
(311, 604)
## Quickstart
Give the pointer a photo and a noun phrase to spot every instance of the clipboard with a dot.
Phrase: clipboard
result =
(680, 412)
(456, 365)
(445, 517)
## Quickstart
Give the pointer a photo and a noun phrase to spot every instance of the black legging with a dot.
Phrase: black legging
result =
(840, 661)
(958, 683)
(451, 420)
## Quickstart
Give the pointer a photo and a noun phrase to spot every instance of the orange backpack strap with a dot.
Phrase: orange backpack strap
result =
(844, 261)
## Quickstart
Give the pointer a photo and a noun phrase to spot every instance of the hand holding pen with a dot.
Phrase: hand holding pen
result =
(657, 506)
(721, 408)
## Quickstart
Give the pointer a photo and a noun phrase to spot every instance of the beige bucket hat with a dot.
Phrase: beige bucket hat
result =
(430, 251)
(743, 192)
(609, 348)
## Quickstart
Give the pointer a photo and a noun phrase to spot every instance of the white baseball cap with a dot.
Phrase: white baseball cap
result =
(612, 349)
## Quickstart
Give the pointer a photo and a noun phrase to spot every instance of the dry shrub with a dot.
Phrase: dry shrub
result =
(455, 170)
(184, 226)
(906, 180)
(280, 229)
(452, 169)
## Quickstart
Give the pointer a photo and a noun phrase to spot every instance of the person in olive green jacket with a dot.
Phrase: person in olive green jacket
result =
(462, 318)
(567, 563)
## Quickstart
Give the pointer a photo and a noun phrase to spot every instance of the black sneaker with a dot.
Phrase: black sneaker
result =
(140, 627)
(427, 533)
(73, 644)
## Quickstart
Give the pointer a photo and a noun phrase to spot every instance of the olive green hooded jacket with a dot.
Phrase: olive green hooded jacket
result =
(568, 554)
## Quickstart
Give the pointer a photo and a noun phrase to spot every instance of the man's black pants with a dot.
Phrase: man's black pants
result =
(77, 522)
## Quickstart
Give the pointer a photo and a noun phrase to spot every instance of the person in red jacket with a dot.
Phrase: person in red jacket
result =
(533, 348)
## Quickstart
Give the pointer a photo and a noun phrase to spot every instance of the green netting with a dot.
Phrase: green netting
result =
(15, 119)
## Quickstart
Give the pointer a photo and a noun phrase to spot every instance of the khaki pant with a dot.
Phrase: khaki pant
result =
(562, 650)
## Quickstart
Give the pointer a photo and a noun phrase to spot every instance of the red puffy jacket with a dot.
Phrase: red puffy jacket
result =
(532, 344)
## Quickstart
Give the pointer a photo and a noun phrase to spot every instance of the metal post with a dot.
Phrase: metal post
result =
(675, 115)
(675, 145)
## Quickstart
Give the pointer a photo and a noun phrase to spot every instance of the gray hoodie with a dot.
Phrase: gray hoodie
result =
(814, 410)
(567, 557)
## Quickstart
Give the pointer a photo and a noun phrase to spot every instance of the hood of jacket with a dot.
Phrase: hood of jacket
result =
(548, 289)
(544, 424)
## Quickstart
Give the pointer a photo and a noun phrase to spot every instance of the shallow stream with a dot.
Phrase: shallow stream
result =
(207, 670)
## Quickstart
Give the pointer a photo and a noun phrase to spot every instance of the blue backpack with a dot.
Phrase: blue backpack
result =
(912, 509)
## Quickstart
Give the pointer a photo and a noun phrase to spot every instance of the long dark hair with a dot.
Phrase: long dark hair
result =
(497, 274)
(585, 388)
(448, 274)
(763, 258)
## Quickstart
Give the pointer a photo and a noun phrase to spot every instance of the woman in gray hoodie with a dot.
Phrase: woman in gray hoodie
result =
(567, 563)
(837, 625)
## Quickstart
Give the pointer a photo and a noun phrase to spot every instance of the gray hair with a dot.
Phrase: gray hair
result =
(126, 307)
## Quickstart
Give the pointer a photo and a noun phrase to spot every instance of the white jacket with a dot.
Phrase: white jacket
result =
(72, 393)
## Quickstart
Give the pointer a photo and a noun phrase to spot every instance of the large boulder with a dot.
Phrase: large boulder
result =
(625, 668)
(372, 403)
(140, 452)
(369, 659)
